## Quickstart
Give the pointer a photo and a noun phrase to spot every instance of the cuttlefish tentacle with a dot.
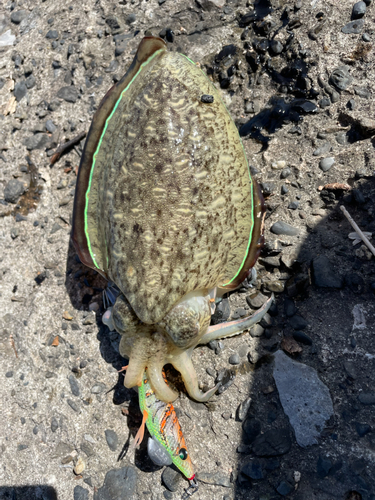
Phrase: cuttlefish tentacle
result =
(184, 365)
(134, 372)
(235, 327)
(157, 382)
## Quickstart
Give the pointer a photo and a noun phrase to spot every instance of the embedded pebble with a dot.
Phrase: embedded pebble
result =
(20, 90)
(322, 150)
(285, 488)
(54, 424)
(256, 331)
(74, 387)
(13, 190)
(354, 27)
(272, 443)
(112, 439)
(80, 493)
(216, 478)
(243, 409)
(367, 398)
(171, 479)
(341, 78)
(281, 227)
(234, 359)
(304, 398)
(256, 301)
(119, 484)
(326, 163)
(363, 92)
(253, 470)
(359, 10)
(366, 37)
(18, 16)
(324, 275)
(69, 94)
(80, 466)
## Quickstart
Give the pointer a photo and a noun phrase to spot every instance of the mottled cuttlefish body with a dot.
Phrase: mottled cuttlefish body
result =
(165, 207)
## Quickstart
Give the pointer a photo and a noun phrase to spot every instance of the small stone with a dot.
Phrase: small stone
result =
(367, 398)
(324, 275)
(286, 172)
(80, 493)
(13, 190)
(363, 92)
(325, 102)
(366, 37)
(340, 78)
(69, 94)
(293, 205)
(272, 443)
(351, 104)
(234, 359)
(302, 338)
(297, 322)
(131, 18)
(50, 126)
(342, 138)
(282, 228)
(9, 374)
(253, 470)
(285, 488)
(74, 387)
(207, 99)
(171, 479)
(256, 331)
(119, 484)
(322, 150)
(74, 406)
(18, 16)
(37, 141)
(217, 478)
(87, 449)
(326, 163)
(79, 467)
(112, 439)
(276, 47)
(256, 301)
(52, 35)
(354, 27)
(359, 10)
(362, 429)
(30, 82)
(243, 409)
(284, 189)
(323, 467)
(304, 398)
(54, 424)
(252, 428)
(20, 90)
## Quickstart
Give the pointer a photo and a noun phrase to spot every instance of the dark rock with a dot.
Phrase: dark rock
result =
(69, 94)
(304, 398)
(50, 126)
(243, 409)
(74, 387)
(286, 172)
(323, 467)
(234, 359)
(112, 439)
(363, 92)
(366, 37)
(324, 275)
(297, 322)
(253, 470)
(358, 197)
(252, 429)
(131, 18)
(119, 484)
(30, 82)
(359, 10)
(285, 488)
(362, 429)
(37, 141)
(80, 493)
(13, 190)
(54, 424)
(272, 443)
(276, 47)
(354, 27)
(293, 205)
(284, 189)
(351, 104)
(52, 35)
(302, 338)
(74, 406)
(325, 102)
(20, 90)
(323, 149)
(18, 16)
(367, 398)
(283, 228)
(171, 479)
(289, 307)
(217, 478)
(9, 374)
(340, 78)
(114, 25)
(355, 282)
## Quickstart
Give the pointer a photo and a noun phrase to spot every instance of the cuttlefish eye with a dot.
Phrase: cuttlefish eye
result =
(183, 454)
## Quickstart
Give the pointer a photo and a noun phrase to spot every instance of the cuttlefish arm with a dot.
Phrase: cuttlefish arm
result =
(231, 328)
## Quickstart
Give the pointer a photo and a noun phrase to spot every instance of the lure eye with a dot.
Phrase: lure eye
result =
(183, 454)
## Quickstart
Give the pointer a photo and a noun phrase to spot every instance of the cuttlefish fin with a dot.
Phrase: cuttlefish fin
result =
(141, 431)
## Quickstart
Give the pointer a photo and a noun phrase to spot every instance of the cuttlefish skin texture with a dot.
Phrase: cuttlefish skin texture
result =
(165, 208)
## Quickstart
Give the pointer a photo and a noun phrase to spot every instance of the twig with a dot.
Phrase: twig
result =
(357, 230)
(66, 145)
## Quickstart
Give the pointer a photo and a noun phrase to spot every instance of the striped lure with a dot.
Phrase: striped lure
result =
(167, 443)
